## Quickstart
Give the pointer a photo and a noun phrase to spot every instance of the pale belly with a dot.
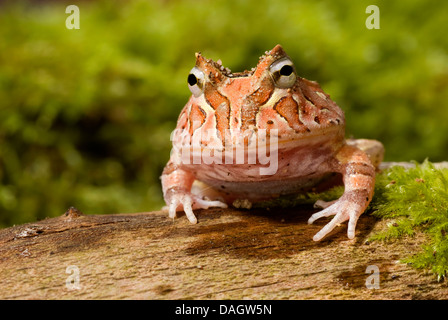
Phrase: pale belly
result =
(261, 190)
(296, 169)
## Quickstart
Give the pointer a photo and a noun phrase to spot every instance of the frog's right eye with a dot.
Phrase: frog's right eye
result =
(196, 81)
(283, 73)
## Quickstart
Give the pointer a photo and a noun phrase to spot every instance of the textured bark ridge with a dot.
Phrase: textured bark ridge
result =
(229, 254)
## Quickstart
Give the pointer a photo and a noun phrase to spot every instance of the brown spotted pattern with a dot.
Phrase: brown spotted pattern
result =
(196, 118)
(253, 102)
(288, 108)
(221, 106)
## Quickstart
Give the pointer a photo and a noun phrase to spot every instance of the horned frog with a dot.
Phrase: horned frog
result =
(297, 121)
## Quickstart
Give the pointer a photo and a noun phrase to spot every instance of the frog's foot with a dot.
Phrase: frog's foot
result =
(343, 210)
(187, 202)
(359, 183)
(320, 204)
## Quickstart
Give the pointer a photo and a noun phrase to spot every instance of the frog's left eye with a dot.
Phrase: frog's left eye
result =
(283, 73)
(196, 81)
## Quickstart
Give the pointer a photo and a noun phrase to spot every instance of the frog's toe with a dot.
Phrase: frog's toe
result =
(342, 212)
(187, 202)
(172, 210)
(328, 211)
(180, 201)
(329, 227)
(172, 207)
(188, 209)
(320, 204)
(205, 203)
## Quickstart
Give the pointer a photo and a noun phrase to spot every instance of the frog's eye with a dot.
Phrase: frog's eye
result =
(283, 73)
(196, 81)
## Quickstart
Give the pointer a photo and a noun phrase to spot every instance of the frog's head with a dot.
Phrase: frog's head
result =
(270, 96)
(274, 70)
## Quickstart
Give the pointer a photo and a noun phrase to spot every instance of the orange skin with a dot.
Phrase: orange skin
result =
(304, 131)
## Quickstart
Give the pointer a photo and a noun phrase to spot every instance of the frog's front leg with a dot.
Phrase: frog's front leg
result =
(359, 181)
(176, 187)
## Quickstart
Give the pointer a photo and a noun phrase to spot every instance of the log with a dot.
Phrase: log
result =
(230, 254)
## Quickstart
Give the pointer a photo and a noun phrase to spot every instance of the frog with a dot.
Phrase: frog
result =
(267, 107)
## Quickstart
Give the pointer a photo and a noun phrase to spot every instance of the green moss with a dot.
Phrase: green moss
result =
(416, 199)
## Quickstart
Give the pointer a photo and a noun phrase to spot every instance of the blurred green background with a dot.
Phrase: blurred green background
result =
(86, 115)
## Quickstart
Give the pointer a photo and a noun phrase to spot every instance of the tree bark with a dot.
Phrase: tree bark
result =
(229, 254)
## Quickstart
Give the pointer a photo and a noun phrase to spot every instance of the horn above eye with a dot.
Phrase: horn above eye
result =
(196, 81)
(283, 73)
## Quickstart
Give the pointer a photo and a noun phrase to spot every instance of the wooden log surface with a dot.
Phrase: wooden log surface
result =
(229, 254)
